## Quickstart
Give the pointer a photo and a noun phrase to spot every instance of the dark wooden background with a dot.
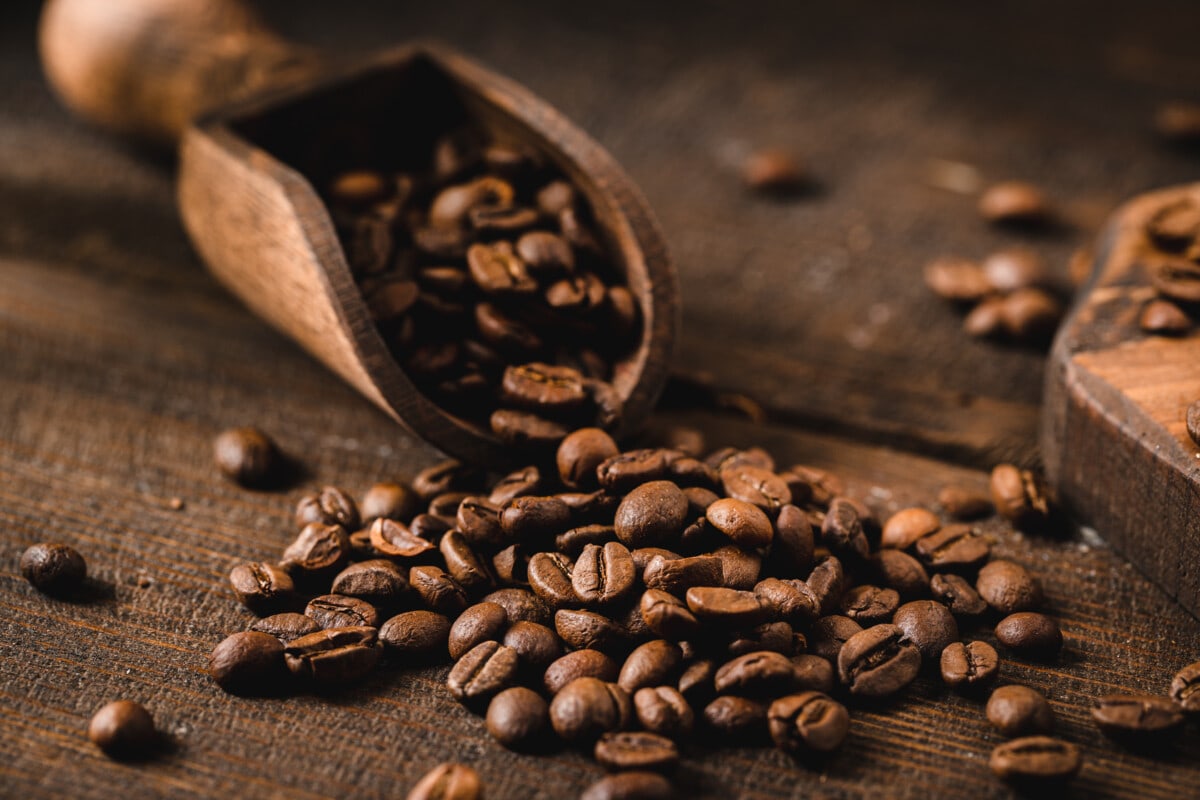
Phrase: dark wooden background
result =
(121, 359)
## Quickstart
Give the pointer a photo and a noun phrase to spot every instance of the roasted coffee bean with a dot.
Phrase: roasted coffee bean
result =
(524, 518)
(1008, 587)
(808, 722)
(247, 663)
(586, 508)
(962, 503)
(1014, 202)
(676, 576)
(334, 657)
(651, 514)
(744, 523)
(969, 666)
(525, 428)
(447, 503)
(537, 646)
(730, 457)
(1030, 633)
(586, 708)
(842, 531)
(763, 673)
(792, 546)
(518, 718)
(246, 456)
(396, 540)
(774, 172)
(870, 605)
(1020, 497)
(543, 387)
(472, 571)
(123, 729)
(603, 575)
(391, 500)
(447, 476)
(319, 549)
(630, 786)
(1031, 314)
(957, 594)
(392, 299)
(587, 629)
(621, 751)
(986, 319)
(550, 577)
(1019, 711)
(496, 268)
(437, 590)
(905, 527)
(696, 682)
(330, 506)
(664, 710)
(642, 556)
(828, 583)
(789, 600)
(654, 663)
(338, 611)
(451, 205)
(1164, 318)
(287, 626)
(954, 548)
(811, 672)
(1137, 719)
(737, 717)
(740, 569)
(376, 581)
(519, 483)
(668, 616)
(585, 663)
(757, 486)
(728, 607)
(484, 671)
(929, 625)
(56, 569)
(521, 604)
(581, 453)
(1036, 762)
(1015, 268)
(448, 782)
(901, 572)
(777, 637)
(480, 623)
(571, 542)
(829, 633)
(958, 280)
(478, 522)
(621, 474)
(879, 661)
(1185, 688)
(416, 634)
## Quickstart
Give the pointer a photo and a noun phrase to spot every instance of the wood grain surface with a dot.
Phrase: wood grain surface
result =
(122, 358)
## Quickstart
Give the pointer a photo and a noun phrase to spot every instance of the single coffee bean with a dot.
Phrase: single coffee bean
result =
(1019, 711)
(1035, 762)
(1164, 318)
(518, 717)
(53, 568)
(964, 504)
(446, 505)
(478, 522)
(1185, 688)
(630, 786)
(1030, 633)
(448, 782)
(676, 576)
(774, 172)
(870, 605)
(376, 580)
(621, 474)
(970, 666)
(586, 708)
(519, 483)
(1008, 587)
(664, 710)
(484, 671)
(472, 571)
(696, 682)
(248, 663)
(668, 616)
(396, 540)
(525, 429)
(1020, 497)
(581, 453)
(1014, 202)
(788, 600)
(543, 387)
(651, 514)
(551, 578)
(828, 583)
(829, 633)
(792, 546)
(738, 717)
(957, 594)
(480, 623)
(1030, 315)
(496, 269)
(899, 571)
(1015, 268)
(587, 629)
(986, 319)
(729, 607)
(437, 590)
(603, 575)
(337, 611)
(744, 523)
(958, 280)
(740, 569)
(763, 673)
(905, 527)
(1137, 719)
(929, 625)
(511, 565)
(246, 456)
(778, 637)
(521, 604)
(622, 751)
(756, 485)
(392, 500)
(642, 556)
(842, 531)
(879, 661)
(286, 626)
(447, 476)
(417, 634)
(571, 542)
(123, 729)
(524, 518)
(537, 646)
(812, 673)
(319, 549)
(954, 548)
(330, 506)
(654, 663)
(584, 663)
(808, 722)
(334, 657)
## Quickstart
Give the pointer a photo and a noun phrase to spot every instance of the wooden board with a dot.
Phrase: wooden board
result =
(121, 358)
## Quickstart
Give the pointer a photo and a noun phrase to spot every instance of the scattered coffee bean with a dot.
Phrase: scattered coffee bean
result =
(745, 524)
(808, 722)
(905, 527)
(396, 540)
(448, 782)
(636, 750)
(654, 663)
(789, 600)
(760, 674)
(879, 661)
(1019, 711)
(828, 634)
(603, 575)
(53, 568)
(898, 571)
(1008, 587)
(1164, 318)
(696, 682)
(586, 708)
(964, 504)
(651, 514)
(677, 575)
(518, 717)
(584, 663)
(1015, 268)
(248, 663)
(726, 606)
(793, 545)
(970, 666)
(957, 594)
(437, 590)
(587, 629)
(581, 453)
(985, 320)
(842, 531)
(521, 604)
(319, 550)
(1137, 719)
(485, 670)
(480, 623)
(954, 548)
(333, 658)
(870, 605)
(929, 625)
(1020, 497)
(286, 626)
(828, 583)
(1030, 633)
(813, 673)
(391, 500)
(663, 710)
(375, 581)
(123, 729)
(736, 716)
(330, 506)
(774, 172)
(550, 577)
(337, 611)
(1185, 688)
(1036, 762)
(416, 634)
(1014, 202)
(630, 786)
(537, 646)
(246, 456)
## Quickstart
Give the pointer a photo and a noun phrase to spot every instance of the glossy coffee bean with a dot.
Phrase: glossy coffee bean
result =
(246, 456)
(808, 722)
(537, 646)
(587, 708)
(897, 570)
(957, 594)
(521, 604)
(953, 548)
(1008, 587)
(484, 671)
(728, 607)
(551, 577)
(905, 527)
(744, 523)
(792, 546)
(587, 629)
(518, 718)
(740, 717)
(583, 663)
(1020, 497)
(334, 658)
(338, 611)
(870, 605)
(397, 540)
(677, 575)
(580, 454)
(969, 666)
(448, 782)
(391, 500)
(828, 583)
(416, 634)
(843, 532)
(1137, 719)
(878, 662)
(286, 626)
(1019, 711)
(651, 514)
(828, 634)
(330, 506)
(478, 523)
(53, 568)
(668, 616)
(528, 517)
(756, 485)
(622, 751)
(812, 673)
(788, 600)
(480, 623)
(635, 785)
(1035, 762)
(603, 575)
(653, 663)
(375, 581)
(929, 625)
(1030, 633)
(319, 550)
(438, 591)
(664, 710)
(523, 482)
(124, 730)
(248, 663)
(446, 476)
(759, 674)
(1185, 688)
(262, 587)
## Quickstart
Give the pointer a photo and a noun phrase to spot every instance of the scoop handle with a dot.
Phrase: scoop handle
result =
(146, 68)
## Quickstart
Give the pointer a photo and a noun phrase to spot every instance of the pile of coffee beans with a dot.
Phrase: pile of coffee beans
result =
(490, 282)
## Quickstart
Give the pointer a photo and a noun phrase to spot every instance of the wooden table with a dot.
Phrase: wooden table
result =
(121, 359)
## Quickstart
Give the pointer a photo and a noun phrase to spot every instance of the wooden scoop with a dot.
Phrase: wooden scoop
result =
(245, 108)
(1114, 433)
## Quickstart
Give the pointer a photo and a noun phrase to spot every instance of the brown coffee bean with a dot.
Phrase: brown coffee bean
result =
(391, 500)
(581, 453)
(248, 663)
(518, 717)
(654, 663)
(1185, 688)
(335, 657)
(736, 717)
(667, 616)
(964, 504)
(1035, 761)
(901, 572)
(585, 663)
(1015, 268)
(1164, 318)
(484, 671)
(396, 540)
(511, 566)
(740, 569)
(571, 542)
(416, 634)
(1137, 719)
(519, 483)
(842, 531)
(586, 708)
(246, 456)
(551, 578)
(676, 576)
(664, 710)
(870, 605)
(986, 319)
(636, 750)
(651, 514)
(1014, 202)
(330, 506)
(603, 575)
(123, 729)
(377, 581)
(744, 523)
(958, 280)
(393, 298)
(954, 548)
(905, 527)
(543, 387)
(729, 607)
(56, 569)
(828, 583)
(774, 172)
(634, 785)
(521, 604)
(587, 629)
(1019, 711)
(1020, 497)
(446, 476)
(792, 547)
(448, 782)
(762, 673)
(1030, 633)
(437, 590)
(696, 682)
(1030, 315)
(480, 623)
(829, 633)
(929, 625)
(969, 666)
(879, 661)
(778, 637)
(756, 485)
(811, 672)
(957, 594)
(1008, 587)
(525, 518)
(789, 600)
(537, 646)
(808, 722)
(319, 549)
(286, 626)
(524, 428)
(496, 268)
